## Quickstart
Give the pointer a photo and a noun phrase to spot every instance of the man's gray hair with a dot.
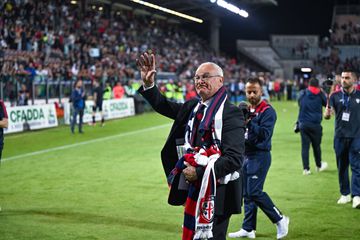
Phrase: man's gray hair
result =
(217, 67)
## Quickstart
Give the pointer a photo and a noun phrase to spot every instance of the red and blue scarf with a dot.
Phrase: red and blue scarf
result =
(199, 197)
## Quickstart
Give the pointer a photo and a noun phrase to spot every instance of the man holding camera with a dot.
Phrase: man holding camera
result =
(260, 125)
(98, 97)
(346, 105)
(311, 101)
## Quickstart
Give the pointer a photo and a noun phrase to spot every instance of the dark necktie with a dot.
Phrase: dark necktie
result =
(198, 116)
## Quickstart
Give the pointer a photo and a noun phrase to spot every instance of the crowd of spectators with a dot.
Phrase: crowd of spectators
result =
(53, 39)
(333, 64)
(346, 33)
(48, 40)
(301, 50)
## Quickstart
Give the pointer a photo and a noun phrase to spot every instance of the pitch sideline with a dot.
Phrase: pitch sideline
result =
(84, 143)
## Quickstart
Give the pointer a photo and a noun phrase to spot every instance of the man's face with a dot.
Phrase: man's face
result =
(207, 81)
(347, 80)
(253, 93)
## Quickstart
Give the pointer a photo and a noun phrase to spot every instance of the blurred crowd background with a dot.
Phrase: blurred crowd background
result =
(46, 45)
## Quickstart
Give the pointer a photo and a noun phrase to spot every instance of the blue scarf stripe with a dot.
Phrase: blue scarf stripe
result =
(189, 221)
(212, 109)
(193, 193)
(212, 184)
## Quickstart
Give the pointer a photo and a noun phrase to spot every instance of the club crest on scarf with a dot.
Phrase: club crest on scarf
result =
(207, 209)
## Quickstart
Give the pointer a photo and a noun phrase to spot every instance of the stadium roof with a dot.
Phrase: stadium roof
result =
(203, 9)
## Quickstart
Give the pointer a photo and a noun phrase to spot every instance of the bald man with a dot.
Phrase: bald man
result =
(207, 123)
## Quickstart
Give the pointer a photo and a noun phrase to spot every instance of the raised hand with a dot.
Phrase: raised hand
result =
(146, 65)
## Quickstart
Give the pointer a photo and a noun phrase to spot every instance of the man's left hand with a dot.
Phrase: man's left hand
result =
(190, 173)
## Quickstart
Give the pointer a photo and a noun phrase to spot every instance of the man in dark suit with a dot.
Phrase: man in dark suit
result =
(209, 86)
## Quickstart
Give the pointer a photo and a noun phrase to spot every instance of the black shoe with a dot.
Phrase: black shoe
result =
(81, 132)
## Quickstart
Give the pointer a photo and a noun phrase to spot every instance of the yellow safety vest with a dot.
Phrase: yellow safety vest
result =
(107, 94)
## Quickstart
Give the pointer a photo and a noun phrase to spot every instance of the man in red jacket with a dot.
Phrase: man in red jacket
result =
(311, 101)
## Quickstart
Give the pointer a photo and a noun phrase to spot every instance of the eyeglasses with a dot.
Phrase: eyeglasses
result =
(204, 77)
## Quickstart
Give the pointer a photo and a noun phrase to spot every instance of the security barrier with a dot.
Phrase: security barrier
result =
(23, 118)
(111, 108)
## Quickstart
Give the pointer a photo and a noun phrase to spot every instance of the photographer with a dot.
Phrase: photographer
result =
(260, 119)
(311, 101)
(98, 102)
(346, 105)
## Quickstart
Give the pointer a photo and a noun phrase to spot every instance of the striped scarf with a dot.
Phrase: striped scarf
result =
(200, 195)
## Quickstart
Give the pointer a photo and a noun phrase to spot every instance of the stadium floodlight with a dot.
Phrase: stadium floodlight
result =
(306, 70)
(73, 2)
(179, 14)
(231, 7)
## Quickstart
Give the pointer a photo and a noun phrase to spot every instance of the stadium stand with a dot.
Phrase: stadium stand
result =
(47, 42)
(341, 50)
(46, 45)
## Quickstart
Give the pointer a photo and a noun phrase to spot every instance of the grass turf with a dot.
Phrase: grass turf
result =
(112, 186)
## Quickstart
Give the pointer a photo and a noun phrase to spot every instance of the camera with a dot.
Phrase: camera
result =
(327, 84)
(244, 107)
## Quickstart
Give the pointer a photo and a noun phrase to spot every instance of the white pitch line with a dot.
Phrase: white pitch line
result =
(84, 143)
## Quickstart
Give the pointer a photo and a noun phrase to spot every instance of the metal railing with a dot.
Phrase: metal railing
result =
(37, 88)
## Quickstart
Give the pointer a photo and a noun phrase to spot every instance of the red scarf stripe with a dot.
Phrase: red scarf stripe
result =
(187, 234)
(190, 206)
(189, 213)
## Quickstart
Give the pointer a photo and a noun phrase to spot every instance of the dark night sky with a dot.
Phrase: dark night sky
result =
(289, 17)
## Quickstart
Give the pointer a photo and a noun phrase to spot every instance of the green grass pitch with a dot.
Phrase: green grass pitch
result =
(108, 184)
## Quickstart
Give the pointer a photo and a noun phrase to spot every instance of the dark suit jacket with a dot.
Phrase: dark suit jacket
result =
(229, 196)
